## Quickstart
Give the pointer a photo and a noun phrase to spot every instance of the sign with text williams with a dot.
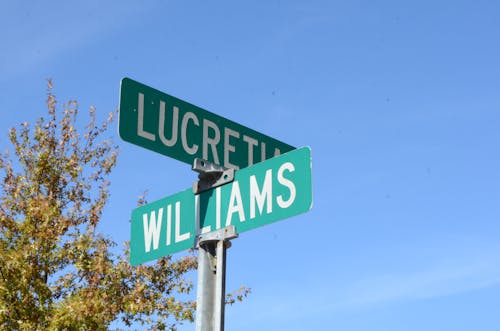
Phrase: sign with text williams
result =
(165, 124)
(264, 193)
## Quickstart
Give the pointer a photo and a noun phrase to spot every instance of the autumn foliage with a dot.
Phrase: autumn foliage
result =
(56, 271)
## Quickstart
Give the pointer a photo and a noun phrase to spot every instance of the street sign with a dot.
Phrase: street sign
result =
(162, 123)
(264, 193)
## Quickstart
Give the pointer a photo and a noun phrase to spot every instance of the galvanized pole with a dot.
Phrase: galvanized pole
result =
(206, 288)
(212, 279)
(220, 285)
(210, 299)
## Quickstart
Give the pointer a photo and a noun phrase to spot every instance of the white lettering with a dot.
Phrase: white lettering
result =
(235, 204)
(261, 196)
(262, 151)
(152, 229)
(213, 141)
(251, 143)
(169, 224)
(217, 208)
(140, 120)
(288, 183)
(188, 116)
(228, 147)
(178, 235)
(175, 124)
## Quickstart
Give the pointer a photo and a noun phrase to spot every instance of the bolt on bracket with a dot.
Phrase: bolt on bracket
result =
(224, 234)
(210, 175)
(212, 240)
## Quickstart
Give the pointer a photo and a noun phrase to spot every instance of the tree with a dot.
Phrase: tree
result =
(56, 271)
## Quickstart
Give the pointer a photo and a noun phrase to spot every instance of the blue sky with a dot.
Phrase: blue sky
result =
(399, 102)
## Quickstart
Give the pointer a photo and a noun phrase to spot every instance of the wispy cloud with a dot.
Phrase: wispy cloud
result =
(440, 280)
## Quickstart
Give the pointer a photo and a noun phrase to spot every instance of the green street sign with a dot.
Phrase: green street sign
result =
(162, 123)
(264, 193)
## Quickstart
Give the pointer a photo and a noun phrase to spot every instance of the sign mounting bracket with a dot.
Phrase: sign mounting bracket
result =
(224, 234)
(210, 175)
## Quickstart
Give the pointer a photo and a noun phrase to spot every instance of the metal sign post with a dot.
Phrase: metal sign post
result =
(212, 247)
(211, 294)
